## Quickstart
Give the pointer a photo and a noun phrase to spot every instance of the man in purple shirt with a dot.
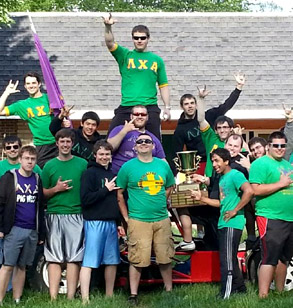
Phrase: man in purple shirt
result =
(123, 138)
(21, 220)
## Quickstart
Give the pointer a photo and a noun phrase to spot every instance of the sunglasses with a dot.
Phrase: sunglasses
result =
(146, 141)
(136, 38)
(279, 145)
(14, 147)
(139, 114)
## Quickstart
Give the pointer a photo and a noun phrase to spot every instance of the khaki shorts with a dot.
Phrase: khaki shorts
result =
(145, 236)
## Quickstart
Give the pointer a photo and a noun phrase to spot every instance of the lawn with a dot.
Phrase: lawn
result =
(195, 295)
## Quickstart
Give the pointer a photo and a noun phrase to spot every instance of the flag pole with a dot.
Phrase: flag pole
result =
(31, 22)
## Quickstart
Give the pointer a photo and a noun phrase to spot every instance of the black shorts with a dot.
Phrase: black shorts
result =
(276, 240)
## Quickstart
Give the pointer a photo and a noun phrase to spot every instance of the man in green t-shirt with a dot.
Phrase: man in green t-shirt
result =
(35, 110)
(271, 179)
(64, 223)
(140, 71)
(235, 193)
(148, 181)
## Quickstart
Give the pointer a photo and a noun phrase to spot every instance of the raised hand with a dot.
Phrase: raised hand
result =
(65, 112)
(288, 113)
(111, 185)
(240, 79)
(109, 20)
(238, 130)
(12, 87)
(244, 161)
(202, 93)
(129, 126)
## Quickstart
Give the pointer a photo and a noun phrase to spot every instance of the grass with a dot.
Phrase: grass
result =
(194, 295)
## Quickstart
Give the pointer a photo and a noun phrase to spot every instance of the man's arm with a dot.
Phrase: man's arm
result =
(109, 37)
(169, 191)
(122, 205)
(213, 113)
(203, 123)
(59, 187)
(165, 95)
(10, 89)
(245, 198)
(196, 195)
(268, 189)
(116, 140)
(288, 131)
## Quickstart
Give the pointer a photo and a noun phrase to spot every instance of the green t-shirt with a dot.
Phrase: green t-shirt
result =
(66, 202)
(140, 72)
(145, 184)
(36, 111)
(278, 205)
(211, 142)
(230, 195)
(5, 166)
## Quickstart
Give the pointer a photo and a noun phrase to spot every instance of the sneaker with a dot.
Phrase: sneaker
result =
(185, 246)
(133, 300)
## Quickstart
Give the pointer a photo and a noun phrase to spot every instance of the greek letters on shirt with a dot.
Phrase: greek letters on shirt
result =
(142, 65)
(26, 194)
(38, 111)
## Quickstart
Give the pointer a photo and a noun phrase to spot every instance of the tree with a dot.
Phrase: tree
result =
(132, 5)
(5, 7)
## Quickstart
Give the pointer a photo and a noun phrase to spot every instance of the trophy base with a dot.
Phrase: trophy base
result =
(187, 186)
(180, 199)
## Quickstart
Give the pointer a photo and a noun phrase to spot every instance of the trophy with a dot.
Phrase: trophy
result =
(186, 162)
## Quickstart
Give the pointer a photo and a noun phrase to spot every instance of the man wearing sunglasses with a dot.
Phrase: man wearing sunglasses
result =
(271, 179)
(11, 147)
(149, 182)
(123, 138)
(140, 71)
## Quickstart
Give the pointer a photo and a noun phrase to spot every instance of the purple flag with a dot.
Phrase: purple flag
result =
(53, 90)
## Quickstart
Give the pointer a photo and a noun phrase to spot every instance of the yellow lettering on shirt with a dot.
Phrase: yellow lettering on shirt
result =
(30, 113)
(142, 64)
(154, 66)
(41, 111)
(130, 63)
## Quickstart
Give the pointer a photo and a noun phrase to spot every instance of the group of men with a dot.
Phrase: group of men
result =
(87, 206)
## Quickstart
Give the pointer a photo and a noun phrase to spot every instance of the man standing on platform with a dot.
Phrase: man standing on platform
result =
(140, 71)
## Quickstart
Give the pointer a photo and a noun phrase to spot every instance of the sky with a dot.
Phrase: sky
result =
(287, 5)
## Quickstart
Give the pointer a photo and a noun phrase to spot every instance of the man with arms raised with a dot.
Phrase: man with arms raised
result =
(187, 132)
(21, 220)
(140, 71)
(148, 181)
(64, 223)
(123, 138)
(35, 110)
(271, 180)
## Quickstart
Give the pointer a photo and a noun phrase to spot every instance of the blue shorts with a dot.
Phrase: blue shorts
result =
(101, 243)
